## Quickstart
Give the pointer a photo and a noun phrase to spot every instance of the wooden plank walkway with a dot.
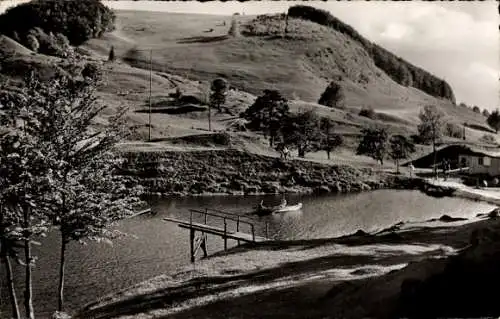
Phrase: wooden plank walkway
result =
(225, 232)
(216, 230)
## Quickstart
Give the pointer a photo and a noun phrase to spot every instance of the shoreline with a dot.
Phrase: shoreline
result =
(335, 270)
(248, 271)
(239, 173)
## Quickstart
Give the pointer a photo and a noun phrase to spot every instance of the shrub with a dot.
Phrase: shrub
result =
(50, 44)
(222, 139)
(32, 43)
(333, 96)
(78, 20)
(487, 138)
(92, 71)
(368, 112)
(453, 130)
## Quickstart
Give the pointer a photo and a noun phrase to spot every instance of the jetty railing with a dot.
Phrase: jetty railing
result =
(225, 217)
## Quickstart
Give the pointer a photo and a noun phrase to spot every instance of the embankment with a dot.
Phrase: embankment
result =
(233, 172)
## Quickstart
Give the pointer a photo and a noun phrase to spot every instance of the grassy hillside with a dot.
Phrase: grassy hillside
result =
(188, 56)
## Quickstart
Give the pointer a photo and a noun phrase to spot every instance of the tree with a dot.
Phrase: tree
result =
(329, 140)
(25, 178)
(9, 243)
(373, 143)
(476, 109)
(82, 195)
(234, 30)
(430, 128)
(400, 148)
(333, 96)
(217, 98)
(302, 130)
(486, 113)
(111, 56)
(78, 20)
(494, 120)
(267, 114)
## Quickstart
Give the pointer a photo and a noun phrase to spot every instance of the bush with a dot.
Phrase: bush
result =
(92, 71)
(32, 43)
(368, 112)
(333, 96)
(50, 44)
(487, 138)
(453, 130)
(78, 20)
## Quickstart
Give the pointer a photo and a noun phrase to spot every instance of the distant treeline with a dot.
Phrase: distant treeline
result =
(398, 69)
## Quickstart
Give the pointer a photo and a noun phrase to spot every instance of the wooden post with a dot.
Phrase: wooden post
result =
(267, 230)
(150, 87)
(238, 227)
(191, 217)
(225, 234)
(206, 216)
(204, 246)
(253, 233)
(191, 243)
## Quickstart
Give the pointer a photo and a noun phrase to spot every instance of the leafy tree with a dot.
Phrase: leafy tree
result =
(476, 109)
(77, 20)
(373, 143)
(486, 113)
(25, 177)
(401, 148)
(234, 30)
(333, 96)
(494, 120)
(430, 128)
(82, 195)
(302, 130)
(217, 98)
(329, 139)
(267, 114)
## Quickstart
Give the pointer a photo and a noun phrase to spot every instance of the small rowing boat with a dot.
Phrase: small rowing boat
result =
(265, 210)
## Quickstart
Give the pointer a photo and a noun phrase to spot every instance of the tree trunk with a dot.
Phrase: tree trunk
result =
(61, 274)
(10, 284)
(302, 152)
(271, 140)
(209, 117)
(28, 293)
(328, 154)
(381, 161)
(397, 166)
(435, 157)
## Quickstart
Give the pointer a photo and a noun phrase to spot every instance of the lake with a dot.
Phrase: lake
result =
(154, 246)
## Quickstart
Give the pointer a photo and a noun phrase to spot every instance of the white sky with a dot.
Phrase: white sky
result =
(457, 41)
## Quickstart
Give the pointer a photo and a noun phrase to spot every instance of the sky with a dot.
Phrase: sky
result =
(456, 41)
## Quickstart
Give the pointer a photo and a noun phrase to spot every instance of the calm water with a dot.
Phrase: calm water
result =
(157, 247)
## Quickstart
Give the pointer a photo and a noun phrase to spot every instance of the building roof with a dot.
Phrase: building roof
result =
(478, 151)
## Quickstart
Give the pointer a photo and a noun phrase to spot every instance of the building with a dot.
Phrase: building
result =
(480, 161)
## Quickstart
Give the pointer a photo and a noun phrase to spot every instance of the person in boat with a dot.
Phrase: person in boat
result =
(283, 203)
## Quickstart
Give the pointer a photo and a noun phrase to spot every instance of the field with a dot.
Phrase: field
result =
(188, 51)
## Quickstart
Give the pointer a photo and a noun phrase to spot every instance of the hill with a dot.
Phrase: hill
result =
(189, 50)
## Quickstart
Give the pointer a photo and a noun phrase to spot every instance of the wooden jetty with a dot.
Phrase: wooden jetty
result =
(203, 228)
